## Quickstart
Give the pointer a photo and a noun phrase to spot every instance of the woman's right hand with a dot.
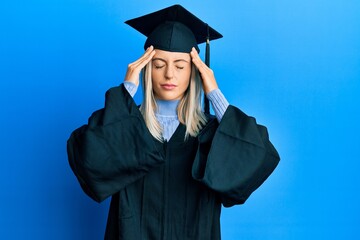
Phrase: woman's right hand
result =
(134, 69)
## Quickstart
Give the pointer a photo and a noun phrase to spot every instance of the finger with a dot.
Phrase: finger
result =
(147, 59)
(197, 60)
(133, 71)
(206, 73)
(141, 63)
(144, 56)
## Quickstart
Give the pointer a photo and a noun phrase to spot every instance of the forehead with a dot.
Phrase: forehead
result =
(169, 56)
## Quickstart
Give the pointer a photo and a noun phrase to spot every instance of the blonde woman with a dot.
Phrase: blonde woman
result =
(167, 165)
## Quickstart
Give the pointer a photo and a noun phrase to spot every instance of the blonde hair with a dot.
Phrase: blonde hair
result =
(189, 108)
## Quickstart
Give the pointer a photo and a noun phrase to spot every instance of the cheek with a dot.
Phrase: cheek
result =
(155, 75)
(185, 78)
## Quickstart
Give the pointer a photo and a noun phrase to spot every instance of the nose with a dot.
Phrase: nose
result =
(169, 73)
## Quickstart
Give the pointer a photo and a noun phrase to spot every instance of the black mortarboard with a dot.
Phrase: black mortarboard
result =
(175, 29)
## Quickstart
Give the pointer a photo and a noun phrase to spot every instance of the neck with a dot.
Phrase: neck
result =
(167, 107)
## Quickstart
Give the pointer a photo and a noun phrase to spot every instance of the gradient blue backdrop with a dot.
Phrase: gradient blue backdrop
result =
(294, 65)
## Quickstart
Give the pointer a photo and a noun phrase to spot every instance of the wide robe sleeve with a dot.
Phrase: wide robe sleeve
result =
(114, 149)
(235, 158)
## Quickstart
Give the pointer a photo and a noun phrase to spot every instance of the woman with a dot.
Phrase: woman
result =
(167, 165)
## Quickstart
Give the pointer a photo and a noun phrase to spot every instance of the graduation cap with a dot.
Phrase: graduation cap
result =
(175, 29)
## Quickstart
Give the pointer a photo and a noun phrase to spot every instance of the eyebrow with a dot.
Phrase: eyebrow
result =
(163, 60)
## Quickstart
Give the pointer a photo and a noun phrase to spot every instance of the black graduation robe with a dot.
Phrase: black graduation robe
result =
(171, 190)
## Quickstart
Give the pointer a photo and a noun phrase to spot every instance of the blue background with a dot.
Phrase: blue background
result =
(294, 65)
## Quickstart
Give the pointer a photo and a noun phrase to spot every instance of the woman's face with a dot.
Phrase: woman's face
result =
(170, 74)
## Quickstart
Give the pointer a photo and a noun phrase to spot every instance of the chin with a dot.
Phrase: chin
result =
(168, 97)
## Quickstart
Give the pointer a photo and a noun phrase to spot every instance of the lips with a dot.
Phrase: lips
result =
(168, 86)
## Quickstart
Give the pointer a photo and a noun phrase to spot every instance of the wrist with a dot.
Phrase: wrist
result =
(210, 88)
(130, 87)
(136, 83)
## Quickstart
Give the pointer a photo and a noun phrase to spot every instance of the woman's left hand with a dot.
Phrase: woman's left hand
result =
(207, 75)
